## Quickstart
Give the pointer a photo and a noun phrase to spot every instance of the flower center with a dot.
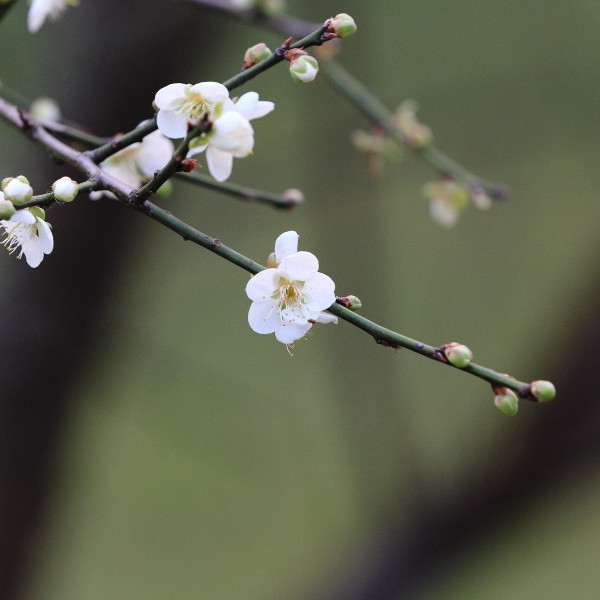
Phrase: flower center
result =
(16, 235)
(194, 105)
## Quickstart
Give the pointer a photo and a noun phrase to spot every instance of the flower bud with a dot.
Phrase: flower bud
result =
(271, 261)
(17, 189)
(7, 210)
(304, 68)
(458, 355)
(480, 198)
(256, 54)
(65, 189)
(342, 25)
(45, 109)
(506, 401)
(351, 302)
(293, 196)
(542, 390)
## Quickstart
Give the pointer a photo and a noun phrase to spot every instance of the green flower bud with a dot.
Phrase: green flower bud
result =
(17, 189)
(542, 390)
(458, 355)
(506, 401)
(7, 209)
(256, 54)
(342, 25)
(65, 189)
(304, 68)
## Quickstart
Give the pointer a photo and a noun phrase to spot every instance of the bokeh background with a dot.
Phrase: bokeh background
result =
(152, 446)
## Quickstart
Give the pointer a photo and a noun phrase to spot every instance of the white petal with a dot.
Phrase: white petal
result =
(290, 332)
(172, 124)
(154, 153)
(45, 236)
(264, 107)
(246, 104)
(170, 97)
(32, 249)
(300, 266)
(326, 318)
(23, 216)
(233, 133)
(263, 317)
(219, 163)
(319, 292)
(286, 244)
(262, 285)
(211, 90)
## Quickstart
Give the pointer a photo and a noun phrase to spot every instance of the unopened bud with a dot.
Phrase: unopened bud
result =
(351, 302)
(45, 109)
(17, 189)
(65, 189)
(480, 198)
(271, 261)
(542, 390)
(7, 209)
(342, 25)
(506, 401)
(304, 68)
(256, 54)
(458, 355)
(293, 196)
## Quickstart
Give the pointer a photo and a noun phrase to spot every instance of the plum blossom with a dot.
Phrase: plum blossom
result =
(138, 162)
(290, 297)
(28, 229)
(180, 103)
(40, 10)
(231, 134)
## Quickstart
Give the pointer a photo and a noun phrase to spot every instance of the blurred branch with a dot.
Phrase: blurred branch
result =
(358, 94)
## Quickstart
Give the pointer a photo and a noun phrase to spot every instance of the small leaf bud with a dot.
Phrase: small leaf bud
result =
(458, 355)
(256, 54)
(7, 209)
(38, 211)
(65, 189)
(506, 401)
(17, 189)
(293, 196)
(342, 25)
(542, 390)
(304, 68)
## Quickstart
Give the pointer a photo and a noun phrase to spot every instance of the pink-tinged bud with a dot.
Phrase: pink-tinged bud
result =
(542, 390)
(458, 355)
(351, 302)
(256, 54)
(506, 401)
(342, 25)
(7, 209)
(293, 196)
(304, 68)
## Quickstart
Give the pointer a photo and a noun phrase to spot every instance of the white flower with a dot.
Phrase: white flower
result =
(30, 232)
(138, 162)
(180, 103)
(289, 298)
(231, 134)
(40, 10)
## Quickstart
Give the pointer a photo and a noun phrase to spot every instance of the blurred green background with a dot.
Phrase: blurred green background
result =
(182, 456)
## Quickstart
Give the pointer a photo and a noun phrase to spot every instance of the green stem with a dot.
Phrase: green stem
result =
(382, 335)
